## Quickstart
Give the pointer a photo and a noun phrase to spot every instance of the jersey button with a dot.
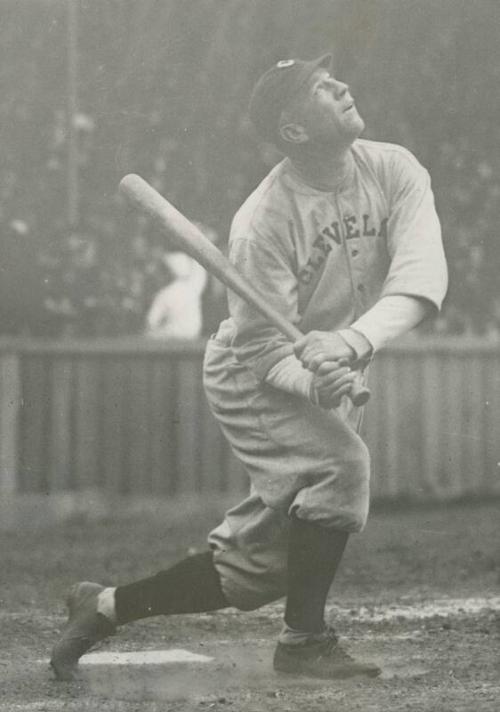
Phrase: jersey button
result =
(355, 253)
(361, 287)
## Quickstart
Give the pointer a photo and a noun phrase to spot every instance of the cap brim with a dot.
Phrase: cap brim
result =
(325, 62)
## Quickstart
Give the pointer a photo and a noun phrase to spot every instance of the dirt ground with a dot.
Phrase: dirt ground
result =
(418, 592)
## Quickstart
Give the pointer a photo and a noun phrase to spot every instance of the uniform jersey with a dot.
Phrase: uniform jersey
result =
(323, 258)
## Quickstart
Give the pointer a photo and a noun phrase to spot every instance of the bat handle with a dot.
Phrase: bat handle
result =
(359, 394)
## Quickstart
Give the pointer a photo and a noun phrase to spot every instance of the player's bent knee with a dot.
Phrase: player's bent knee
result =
(339, 498)
(355, 519)
(357, 489)
(251, 594)
(249, 582)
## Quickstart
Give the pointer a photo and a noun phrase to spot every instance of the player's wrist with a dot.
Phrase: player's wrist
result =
(288, 375)
(361, 348)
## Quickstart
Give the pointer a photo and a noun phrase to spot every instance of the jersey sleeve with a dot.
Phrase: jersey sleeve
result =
(264, 263)
(417, 261)
(390, 317)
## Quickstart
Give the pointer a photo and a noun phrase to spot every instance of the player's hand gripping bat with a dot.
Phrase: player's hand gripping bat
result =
(188, 238)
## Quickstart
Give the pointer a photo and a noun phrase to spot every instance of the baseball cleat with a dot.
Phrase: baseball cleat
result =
(85, 628)
(324, 659)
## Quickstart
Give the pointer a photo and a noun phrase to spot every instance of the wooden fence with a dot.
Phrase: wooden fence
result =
(130, 418)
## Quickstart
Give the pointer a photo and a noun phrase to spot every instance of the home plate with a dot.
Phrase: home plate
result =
(144, 657)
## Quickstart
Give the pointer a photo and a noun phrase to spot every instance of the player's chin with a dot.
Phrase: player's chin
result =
(354, 124)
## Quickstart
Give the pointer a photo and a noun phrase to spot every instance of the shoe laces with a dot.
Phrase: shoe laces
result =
(332, 646)
(330, 639)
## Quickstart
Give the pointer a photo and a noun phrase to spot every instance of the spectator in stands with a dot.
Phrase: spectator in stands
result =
(176, 310)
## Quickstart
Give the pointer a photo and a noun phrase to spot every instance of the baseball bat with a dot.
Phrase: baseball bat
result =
(188, 238)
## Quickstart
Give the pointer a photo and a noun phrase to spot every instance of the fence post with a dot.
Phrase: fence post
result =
(72, 108)
(10, 402)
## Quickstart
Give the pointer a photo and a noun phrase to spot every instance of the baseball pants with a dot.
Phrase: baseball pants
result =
(300, 459)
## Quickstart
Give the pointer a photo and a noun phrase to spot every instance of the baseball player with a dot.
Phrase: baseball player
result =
(342, 237)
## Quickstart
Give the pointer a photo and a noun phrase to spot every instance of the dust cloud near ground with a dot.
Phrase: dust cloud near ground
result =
(418, 593)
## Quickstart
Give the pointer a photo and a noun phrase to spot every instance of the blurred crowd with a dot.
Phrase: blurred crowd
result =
(178, 117)
(73, 288)
(106, 277)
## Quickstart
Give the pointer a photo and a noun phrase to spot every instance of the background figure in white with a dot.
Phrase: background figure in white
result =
(176, 310)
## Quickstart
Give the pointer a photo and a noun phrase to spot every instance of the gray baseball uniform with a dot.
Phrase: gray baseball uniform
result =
(327, 260)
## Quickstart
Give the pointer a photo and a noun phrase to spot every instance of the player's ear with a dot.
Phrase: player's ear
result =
(293, 133)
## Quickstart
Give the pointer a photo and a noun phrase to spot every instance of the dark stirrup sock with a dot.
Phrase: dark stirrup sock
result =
(190, 586)
(314, 553)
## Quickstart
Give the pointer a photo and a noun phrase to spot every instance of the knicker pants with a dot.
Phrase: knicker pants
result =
(299, 459)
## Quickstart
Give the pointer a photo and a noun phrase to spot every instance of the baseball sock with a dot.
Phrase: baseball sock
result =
(190, 586)
(314, 553)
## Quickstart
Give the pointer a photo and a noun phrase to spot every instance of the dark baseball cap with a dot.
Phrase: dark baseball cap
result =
(276, 88)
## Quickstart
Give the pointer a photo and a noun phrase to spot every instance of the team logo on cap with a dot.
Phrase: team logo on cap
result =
(285, 63)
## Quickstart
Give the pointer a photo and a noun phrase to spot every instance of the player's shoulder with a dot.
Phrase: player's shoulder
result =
(384, 154)
(265, 207)
(392, 165)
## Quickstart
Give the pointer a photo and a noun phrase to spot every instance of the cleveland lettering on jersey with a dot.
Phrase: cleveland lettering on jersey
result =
(353, 228)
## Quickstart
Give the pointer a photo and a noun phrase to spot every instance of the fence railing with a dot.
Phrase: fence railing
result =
(130, 417)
